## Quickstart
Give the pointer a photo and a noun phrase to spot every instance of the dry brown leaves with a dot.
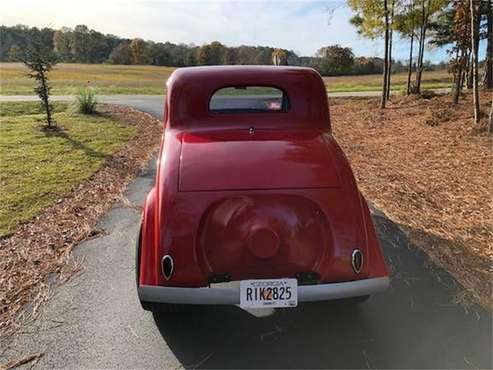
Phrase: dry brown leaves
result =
(422, 163)
(40, 250)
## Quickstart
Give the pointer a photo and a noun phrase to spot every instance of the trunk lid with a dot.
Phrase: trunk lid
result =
(264, 159)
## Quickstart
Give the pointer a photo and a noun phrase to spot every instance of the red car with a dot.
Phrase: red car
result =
(255, 203)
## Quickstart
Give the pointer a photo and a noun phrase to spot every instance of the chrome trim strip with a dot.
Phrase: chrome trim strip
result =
(231, 296)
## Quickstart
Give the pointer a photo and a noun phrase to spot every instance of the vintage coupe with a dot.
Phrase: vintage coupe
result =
(254, 203)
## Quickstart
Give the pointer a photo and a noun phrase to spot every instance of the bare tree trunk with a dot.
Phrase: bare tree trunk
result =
(386, 57)
(470, 82)
(410, 66)
(466, 68)
(488, 81)
(389, 71)
(420, 50)
(422, 38)
(45, 98)
(490, 123)
(468, 71)
(458, 76)
(474, 52)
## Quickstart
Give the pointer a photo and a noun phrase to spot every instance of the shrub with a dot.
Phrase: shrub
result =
(436, 116)
(428, 94)
(86, 101)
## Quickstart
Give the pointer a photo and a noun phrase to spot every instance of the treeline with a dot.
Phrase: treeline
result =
(84, 45)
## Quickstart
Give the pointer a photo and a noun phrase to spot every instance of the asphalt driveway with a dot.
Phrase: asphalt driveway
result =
(95, 320)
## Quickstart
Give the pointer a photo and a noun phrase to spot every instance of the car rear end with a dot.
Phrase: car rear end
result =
(256, 209)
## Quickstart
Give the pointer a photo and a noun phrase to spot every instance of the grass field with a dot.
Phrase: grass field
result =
(38, 167)
(148, 80)
(106, 78)
(431, 80)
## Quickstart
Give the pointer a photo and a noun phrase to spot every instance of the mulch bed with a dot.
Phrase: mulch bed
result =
(423, 164)
(38, 254)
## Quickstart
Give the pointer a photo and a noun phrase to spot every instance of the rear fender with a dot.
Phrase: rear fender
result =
(148, 240)
(376, 260)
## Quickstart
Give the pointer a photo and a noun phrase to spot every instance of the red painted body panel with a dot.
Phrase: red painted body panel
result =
(266, 159)
(275, 202)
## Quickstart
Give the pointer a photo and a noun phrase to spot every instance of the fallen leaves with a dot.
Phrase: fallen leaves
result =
(423, 164)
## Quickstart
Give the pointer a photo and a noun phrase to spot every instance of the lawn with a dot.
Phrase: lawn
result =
(117, 79)
(38, 167)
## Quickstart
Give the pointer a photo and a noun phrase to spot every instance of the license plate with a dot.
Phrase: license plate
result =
(268, 293)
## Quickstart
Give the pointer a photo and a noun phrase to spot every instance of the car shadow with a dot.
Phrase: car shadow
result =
(229, 337)
(415, 324)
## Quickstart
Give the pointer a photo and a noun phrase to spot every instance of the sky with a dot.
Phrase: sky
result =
(299, 25)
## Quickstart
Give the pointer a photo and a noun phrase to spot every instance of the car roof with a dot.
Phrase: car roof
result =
(189, 91)
(237, 70)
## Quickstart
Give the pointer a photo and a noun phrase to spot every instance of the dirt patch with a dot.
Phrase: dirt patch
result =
(38, 254)
(423, 163)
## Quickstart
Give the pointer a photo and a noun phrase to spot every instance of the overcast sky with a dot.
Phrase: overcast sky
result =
(299, 25)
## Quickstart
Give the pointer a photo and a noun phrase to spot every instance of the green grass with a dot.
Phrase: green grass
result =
(28, 108)
(148, 80)
(38, 167)
(431, 80)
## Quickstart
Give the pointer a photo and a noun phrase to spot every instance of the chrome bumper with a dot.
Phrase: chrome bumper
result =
(231, 296)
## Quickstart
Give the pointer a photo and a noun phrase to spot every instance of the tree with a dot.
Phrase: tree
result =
(121, 54)
(405, 23)
(211, 54)
(474, 12)
(159, 54)
(335, 59)
(231, 56)
(391, 27)
(425, 6)
(14, 51)
(191, 56)
(62, 43)
(40, 59)
(371, 19)
(264, 57)
(140, 52)
(386, 57)
(490, 123)
(452, 27)
(218, 52)
(279, 57)
(488, 76)
(80, 42)
(204, 55)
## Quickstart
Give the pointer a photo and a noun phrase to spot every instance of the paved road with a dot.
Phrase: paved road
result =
(95, 321)
(153, 103)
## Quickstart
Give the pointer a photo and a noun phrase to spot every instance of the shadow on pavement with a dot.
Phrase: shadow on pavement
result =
(415, 324)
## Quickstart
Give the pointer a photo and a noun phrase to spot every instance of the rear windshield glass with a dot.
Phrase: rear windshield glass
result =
(248, 99)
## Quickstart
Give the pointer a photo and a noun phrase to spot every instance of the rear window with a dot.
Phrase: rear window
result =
(237, 99)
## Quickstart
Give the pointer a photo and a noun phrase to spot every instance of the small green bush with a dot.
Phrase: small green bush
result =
(85, 101)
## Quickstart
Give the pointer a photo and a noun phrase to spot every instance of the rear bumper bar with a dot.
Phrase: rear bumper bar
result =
(231, 296)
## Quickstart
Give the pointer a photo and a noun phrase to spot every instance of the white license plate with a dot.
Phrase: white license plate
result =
(268, 293)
